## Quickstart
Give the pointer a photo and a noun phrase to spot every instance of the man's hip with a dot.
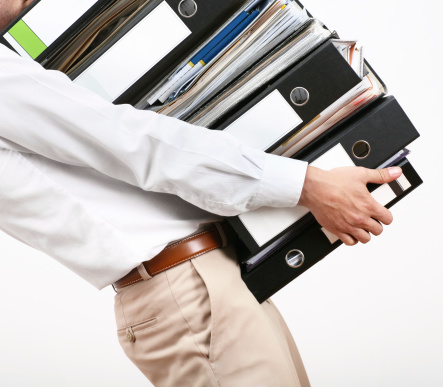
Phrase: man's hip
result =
(197, 324)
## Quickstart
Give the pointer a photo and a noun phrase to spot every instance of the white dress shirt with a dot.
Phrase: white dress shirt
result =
(102, 188)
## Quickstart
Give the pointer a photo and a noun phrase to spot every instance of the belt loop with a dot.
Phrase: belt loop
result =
(143, 272)
(222, 234)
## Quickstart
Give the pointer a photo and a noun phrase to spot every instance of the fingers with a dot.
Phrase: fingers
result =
(341, 202)
(381, 176)
(353, 236)
(382, 214)
(347, 239)
(361, 234)
(374, 227)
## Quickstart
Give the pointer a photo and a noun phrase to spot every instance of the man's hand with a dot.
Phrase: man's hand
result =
(341, 202)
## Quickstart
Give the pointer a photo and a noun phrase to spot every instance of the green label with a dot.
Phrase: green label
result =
(27, 39)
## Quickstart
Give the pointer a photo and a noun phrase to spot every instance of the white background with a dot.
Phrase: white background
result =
(365, 316)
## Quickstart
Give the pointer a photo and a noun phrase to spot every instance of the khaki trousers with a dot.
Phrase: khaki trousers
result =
(197, 324)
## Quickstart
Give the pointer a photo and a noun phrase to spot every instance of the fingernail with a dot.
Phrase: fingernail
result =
(395, 171)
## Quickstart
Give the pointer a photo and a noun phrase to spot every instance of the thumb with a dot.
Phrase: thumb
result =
(386, 175)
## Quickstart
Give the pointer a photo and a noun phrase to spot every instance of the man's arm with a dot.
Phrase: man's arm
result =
(44, 112)
(64, 122)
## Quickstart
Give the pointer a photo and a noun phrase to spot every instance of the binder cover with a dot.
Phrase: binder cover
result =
(311, 244)
(133, 61)
(383, 127)
(368, 138)
(45, 26)
(324, 74)
(149, 47)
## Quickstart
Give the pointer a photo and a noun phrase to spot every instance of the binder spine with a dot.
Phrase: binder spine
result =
(29, 42)
(215, 14)
(70, 33)
(275, 272)
(383, 125)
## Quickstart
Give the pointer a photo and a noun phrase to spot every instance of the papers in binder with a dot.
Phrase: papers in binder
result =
(191, 69)
(352, 54)
(275, 123)
(365, 91)
(95, 34)
(101, 78)
(276, 22)
(245, 127)
(273, 64)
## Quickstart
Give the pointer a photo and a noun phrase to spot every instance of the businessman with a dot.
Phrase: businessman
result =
(133, 199)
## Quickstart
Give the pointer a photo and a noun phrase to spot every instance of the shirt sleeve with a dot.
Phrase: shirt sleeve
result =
(45, 113)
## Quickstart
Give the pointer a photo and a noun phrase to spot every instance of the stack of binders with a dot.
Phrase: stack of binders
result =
(117, 48)
(265, 71)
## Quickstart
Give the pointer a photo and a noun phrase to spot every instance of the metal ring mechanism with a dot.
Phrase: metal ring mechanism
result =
(187, 8)
(299, 96)
(361, 149)
(295, 258)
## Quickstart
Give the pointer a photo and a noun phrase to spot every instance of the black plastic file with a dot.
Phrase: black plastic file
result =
(67, 35)
(383, 125)
(275, 272)
(369, 137)
(209, 17)
(325, 74)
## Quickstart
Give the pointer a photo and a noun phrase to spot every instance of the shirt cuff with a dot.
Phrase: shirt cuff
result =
(282, 182)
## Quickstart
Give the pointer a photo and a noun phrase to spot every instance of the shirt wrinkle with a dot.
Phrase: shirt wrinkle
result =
(71, 197)
(125, 195)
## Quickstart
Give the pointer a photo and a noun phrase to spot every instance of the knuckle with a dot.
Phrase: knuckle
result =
(342, 226)
(358, 219)
(372, 206)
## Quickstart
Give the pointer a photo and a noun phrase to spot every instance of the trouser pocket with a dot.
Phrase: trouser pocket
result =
(164, 327)
(130, 333)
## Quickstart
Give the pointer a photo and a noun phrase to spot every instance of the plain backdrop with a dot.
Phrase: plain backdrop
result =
(370, 315)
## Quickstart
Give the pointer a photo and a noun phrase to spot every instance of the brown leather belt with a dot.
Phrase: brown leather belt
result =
(175, 254)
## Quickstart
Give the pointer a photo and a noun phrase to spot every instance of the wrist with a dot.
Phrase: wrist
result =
(312, 180)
